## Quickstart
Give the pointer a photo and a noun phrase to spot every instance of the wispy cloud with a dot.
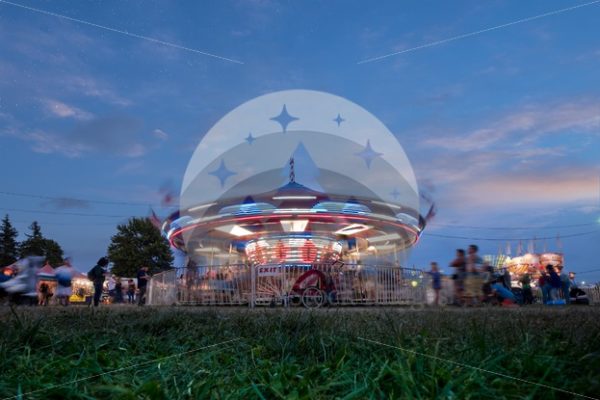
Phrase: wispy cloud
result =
(526, 125)
(117, 136)
(93, 87)
(131, 168)
(66, 66)
(49, 143)
(62, 110)
(160, 134)
(518, 159)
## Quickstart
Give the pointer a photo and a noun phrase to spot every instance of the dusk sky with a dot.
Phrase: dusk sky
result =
(502, 127)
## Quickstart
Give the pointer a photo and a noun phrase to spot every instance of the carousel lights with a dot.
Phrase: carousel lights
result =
(294, 197)
(293, 210)
(208, 250)
(294, 225)
(353, 229)
(234, 230)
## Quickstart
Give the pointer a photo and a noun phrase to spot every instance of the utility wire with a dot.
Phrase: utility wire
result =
(39, 196)
(590, 271)
(65, 213)
(509, 239)
(52, 223)
(512, 227)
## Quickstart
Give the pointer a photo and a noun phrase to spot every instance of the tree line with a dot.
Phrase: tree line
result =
(135, 244)
(35, 243)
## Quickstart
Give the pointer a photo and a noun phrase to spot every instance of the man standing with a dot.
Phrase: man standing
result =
(526, 287)
(565, 284)
(142, 281)
(460, 266)
(555, 283)
(64, 276)
(473, 283)
(97, 276)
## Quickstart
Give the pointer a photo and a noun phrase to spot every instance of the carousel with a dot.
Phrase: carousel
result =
(297, 194)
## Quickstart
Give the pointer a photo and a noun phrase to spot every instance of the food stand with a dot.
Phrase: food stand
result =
(83, 289)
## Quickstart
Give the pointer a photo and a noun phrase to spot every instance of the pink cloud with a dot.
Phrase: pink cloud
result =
(566, 186)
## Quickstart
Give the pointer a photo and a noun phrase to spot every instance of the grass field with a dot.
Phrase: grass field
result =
(156, 353)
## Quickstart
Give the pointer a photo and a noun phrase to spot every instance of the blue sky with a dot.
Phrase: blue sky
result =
(502, 128)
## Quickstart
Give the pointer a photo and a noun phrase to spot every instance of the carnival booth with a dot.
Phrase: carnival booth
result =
(551, 259)
(83, 289)
(46, 276)
(527, 263)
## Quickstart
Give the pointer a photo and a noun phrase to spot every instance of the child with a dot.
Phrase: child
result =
(436, 282)
(130, 291)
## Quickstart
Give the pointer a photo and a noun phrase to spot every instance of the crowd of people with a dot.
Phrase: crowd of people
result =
(473, 282)
(98, 275)
(118, 289)
(476, 282)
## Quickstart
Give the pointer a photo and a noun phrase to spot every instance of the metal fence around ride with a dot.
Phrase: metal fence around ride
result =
(287, 285)
(593, 294)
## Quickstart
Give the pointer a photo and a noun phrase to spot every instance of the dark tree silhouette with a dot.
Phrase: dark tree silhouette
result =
(9, 247)
(37, 245)
(138, 243)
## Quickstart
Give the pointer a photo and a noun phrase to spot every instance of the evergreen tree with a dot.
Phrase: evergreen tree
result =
(138, 243)
(37, 245)
(8, 243)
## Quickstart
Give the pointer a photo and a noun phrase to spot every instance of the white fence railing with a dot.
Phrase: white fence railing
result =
(280, 284)
(593, 294)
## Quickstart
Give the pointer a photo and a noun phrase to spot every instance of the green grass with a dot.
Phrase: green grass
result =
(297, 353)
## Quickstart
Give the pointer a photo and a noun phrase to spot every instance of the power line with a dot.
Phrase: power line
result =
(588, 271)
(52, 223)
(510, 239)
(513, 227)
(38, 196)
(466, 35)
(126, 33)
(65, 213)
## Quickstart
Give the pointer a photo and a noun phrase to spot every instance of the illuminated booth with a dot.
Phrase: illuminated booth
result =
(83, 289)
(533, 263)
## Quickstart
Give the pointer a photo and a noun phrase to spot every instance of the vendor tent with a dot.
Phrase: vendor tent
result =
(46, 273)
